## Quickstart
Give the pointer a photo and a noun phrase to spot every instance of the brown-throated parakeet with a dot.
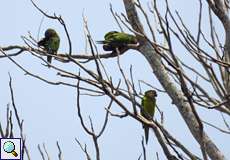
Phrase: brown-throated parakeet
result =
(114, 39)
(148, 108)
(50, 42)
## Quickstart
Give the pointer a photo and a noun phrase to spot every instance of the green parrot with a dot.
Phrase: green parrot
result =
(114, 39)
(148, 108)
(50, 42)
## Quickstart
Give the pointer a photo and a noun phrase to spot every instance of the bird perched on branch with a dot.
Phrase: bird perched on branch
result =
(117, 40)
(50, 42)
(148, 108)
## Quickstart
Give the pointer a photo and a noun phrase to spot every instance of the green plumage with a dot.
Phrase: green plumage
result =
(114, 39)
(148, 109)
(50, 42)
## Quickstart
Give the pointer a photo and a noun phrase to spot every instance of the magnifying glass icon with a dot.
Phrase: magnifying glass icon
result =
(9, 147)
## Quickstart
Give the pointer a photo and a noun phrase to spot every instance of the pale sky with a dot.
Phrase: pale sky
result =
(49, 112)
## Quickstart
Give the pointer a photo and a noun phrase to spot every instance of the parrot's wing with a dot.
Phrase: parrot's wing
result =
(108, 47)
(142, 107)
(42, 42)
(110, 34)
(53, 44)
(142, 102)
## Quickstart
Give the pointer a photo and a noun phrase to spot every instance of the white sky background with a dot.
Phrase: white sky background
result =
(49, 112)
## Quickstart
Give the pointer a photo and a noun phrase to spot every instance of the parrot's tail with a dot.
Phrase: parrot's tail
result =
(100, 42)
(146, 128)
(49, 59)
